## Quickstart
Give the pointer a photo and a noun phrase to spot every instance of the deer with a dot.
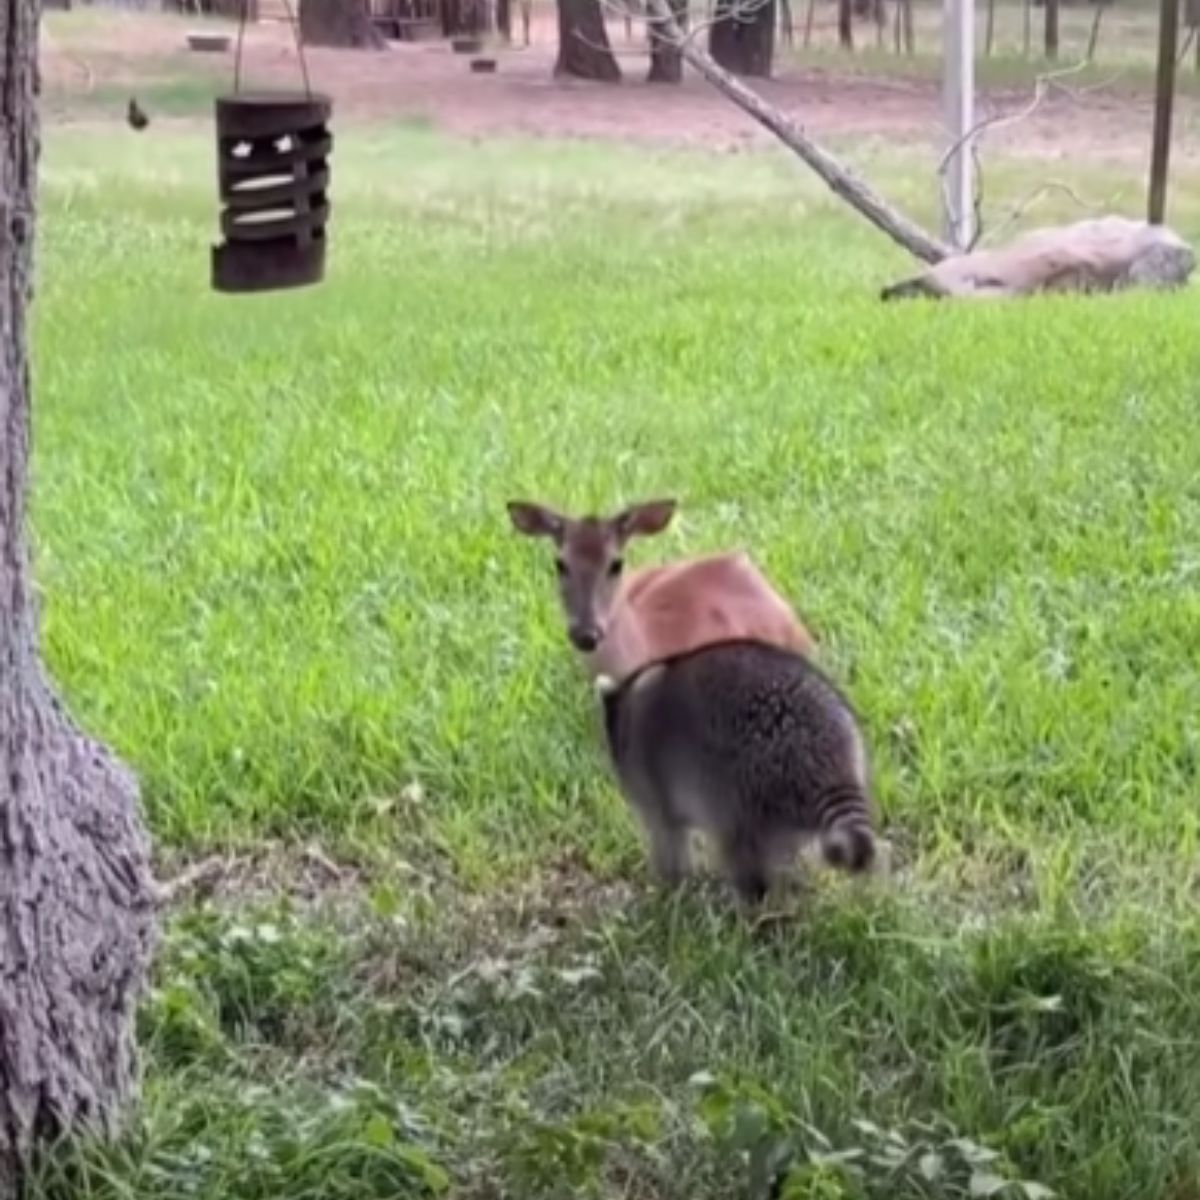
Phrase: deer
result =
(620, 620)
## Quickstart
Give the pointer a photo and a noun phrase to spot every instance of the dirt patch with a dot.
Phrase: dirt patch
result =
(429, 82)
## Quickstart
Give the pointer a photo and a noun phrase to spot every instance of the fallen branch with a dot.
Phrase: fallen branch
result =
(856, 192)
(199, 874)
(1105, 254)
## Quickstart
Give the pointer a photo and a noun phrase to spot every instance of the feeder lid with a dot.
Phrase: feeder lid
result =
(269, 114)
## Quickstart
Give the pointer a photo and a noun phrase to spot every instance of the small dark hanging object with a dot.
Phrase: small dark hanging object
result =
(136, 115)
(273, 172)
(273, 175)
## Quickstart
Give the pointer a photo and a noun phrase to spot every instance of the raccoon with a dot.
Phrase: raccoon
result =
(751, 744)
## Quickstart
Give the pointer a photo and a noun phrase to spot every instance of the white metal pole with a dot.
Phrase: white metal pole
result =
(958, 105)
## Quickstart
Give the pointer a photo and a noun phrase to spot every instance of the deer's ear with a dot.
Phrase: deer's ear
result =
(645, 520)
(535, 521)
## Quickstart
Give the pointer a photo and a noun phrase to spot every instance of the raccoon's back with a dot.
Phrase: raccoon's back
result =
(747, 693)
(751, 737)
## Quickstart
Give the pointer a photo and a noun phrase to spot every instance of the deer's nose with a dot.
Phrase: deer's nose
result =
(584, 637)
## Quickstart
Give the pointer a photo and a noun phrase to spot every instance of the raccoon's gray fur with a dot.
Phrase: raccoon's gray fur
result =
(751, 744)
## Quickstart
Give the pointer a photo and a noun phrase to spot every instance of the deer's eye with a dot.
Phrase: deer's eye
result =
(616, 567)
(561, 568)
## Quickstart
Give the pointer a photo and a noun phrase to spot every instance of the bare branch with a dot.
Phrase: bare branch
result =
(199, 874)
(1023, 206)
(1041, 88)
(1043, 85)
(856, 192)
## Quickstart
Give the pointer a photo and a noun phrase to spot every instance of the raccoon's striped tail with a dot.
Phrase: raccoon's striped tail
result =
(847, 834)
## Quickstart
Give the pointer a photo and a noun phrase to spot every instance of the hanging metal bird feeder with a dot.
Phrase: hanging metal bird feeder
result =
(273, 175)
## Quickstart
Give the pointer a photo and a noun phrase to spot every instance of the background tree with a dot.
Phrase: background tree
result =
(343, 23)
(742, 36)
(1052, 29)
(666, 62)
(76, 893)
(846, 24)
(466, 18)
(583, 47)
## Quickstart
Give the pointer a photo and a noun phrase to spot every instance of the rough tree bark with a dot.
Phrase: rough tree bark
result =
(742, 37)
(583, 47)
(343, 23)
(666, 63)
(77, 899)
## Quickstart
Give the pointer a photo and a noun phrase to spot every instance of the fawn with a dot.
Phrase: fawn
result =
(619, 621)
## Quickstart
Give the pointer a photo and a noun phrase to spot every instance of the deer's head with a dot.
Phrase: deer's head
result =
(589, 559)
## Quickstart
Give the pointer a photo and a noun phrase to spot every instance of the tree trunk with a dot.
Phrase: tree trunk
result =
(787, 26)
(77, 900)
(989, 37)
(742, 38)
(466, 18)
(504, 19)
(232, 9)
(343, 23)
(1052, 29)
(583, 48)
(666, 62)
(846, 24)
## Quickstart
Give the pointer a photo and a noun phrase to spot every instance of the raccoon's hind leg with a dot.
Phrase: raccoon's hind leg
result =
(667, 839)
(746, 864)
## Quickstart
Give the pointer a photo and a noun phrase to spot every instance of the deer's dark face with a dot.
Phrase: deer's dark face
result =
(589, 560)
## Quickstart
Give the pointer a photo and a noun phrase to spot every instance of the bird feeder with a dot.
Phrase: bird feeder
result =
(273, 175)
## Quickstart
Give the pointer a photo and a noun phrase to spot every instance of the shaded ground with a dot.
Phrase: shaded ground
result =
(101, 56)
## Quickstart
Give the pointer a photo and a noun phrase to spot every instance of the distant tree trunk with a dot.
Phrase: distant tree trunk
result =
(910, 38)
(504, 19)
(666, 62)
(989, 38)
(809, 17)
(846, 24)
(343, 23)
(1052, 29)
(786, 24)
(232, 9)
(1191, 15)
(583, 48)
(742, 39)
(76, 894)
(862, 8)
(466, 18)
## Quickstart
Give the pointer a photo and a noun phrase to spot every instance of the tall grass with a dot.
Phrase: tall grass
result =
(278, 577)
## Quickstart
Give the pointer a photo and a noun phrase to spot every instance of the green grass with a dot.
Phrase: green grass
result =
(278, 577)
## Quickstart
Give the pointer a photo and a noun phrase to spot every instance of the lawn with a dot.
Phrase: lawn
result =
(278, 577)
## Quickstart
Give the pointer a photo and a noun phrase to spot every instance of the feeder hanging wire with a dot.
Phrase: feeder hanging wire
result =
(243, 17)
